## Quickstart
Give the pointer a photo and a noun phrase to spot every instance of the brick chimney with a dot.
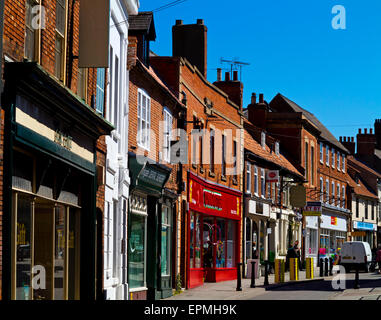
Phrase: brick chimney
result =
(132, 51)
(190, 42)
(233, 88)
(257, 112)
(349, 143)
(366, 144)
(377, 132)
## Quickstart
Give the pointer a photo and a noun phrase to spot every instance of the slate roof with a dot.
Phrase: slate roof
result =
(325, 133)
(253, 146)
(143, 22)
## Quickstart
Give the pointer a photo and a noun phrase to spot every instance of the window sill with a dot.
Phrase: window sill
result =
(223, 178)
(235, 182)
(194, 166)
(202, 170)
(212, 174)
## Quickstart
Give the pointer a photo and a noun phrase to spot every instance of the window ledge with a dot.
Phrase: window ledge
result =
(235, 182)
(223, 178)
(202, 170)
(212, 174)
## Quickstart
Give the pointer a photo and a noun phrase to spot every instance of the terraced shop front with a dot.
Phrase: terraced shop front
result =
(50, 188)
(214, 219)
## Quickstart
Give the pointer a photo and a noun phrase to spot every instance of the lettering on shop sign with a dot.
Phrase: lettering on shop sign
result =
(153, 176)
(212, 200)
(334, 221)
(63, 140)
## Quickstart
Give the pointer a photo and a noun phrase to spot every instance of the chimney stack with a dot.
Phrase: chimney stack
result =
(257, 112)
(348, 143)
(377, 132)
(227, 76)
(234, 89)
(366, 144)
(219, 74)
(235, 75)
(190, 42)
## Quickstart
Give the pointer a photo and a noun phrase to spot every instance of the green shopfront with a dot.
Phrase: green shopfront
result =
(49, 188)
(150, 230)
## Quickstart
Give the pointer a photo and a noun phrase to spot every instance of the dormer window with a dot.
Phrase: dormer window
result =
(263, 140)
(277, 148)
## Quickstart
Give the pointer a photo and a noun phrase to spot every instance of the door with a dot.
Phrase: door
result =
(165, 252)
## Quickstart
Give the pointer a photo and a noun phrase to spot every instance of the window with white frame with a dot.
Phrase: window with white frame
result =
(263, 183)
(60, 42)
(338, 194)
(343, 163)
(343, 196)
(167, 135)
(144, 119)
(326, 155)
(333, 157)
(256, 180)
(31, 34)
(248, 177)
(321, 152)
(100, 99)
(321, 189)
(326, 191)
(333, 192)
(223, 166)
(338, 160)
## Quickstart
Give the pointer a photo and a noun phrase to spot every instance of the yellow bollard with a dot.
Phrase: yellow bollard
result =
(309, 268)
(294, 271)
(279, 270)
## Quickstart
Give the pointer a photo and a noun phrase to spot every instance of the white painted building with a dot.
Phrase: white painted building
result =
(117, 176)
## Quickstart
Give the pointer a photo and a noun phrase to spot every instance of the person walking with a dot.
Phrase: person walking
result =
(378, 259)
(297, 253)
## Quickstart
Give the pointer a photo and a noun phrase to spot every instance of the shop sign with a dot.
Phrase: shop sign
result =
(212, 200)
(272, 176)
(364, 226)
(334, 221)
(63, 140)
(358, 234)
(312, 209)
(152, 176)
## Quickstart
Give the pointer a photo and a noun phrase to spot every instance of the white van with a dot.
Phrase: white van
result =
(355, 253)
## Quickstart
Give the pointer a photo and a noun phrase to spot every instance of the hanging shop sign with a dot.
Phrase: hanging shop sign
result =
(272, 176)
(312, 209)
(213, 199)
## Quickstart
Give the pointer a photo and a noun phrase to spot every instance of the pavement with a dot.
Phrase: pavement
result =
(319, 288)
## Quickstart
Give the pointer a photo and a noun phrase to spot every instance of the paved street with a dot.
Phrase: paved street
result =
(317, 289)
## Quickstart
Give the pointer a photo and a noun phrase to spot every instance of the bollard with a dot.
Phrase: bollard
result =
(239, 287)
(321, 267)
(279, 270)
(266, 283)
(330, 266)
(294, 269)
(309, 268)
(252, 285)
(326, 267)
(357, 284)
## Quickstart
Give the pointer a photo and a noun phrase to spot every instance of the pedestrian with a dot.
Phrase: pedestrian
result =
(297, 253)
(378, 259)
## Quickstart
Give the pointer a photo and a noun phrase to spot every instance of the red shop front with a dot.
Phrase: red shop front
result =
(213, 232)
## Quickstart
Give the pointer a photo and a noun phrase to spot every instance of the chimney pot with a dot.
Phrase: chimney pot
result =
(253, 98)
(227, 76)
(365, 130)
(359, 131)
(352, 139)
(261, 98)
(200, 21)
(179, 22)
(219, 74)
(371, 131)
(235, 75)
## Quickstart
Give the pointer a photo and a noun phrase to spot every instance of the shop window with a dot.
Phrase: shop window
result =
(198, 242)
(208, 240)
(23, 172)
(191, 240)
(165, 241)
(248, 239)
(137, 251)
(231, 252)
(221, 243)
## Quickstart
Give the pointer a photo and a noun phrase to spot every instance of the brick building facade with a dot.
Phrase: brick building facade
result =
(50, 54)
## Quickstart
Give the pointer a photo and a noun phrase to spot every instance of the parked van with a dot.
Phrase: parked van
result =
(355, 253)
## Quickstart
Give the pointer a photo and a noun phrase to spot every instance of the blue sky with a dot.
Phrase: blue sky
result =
(292, 49)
